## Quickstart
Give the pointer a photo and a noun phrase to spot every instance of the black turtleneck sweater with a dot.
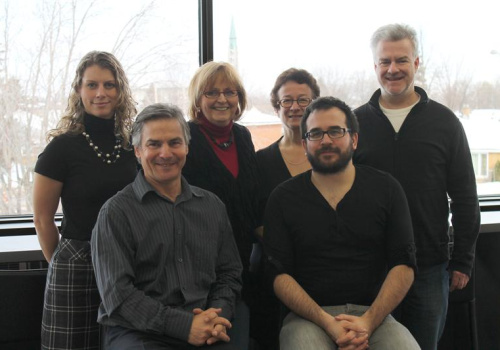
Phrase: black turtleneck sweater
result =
(88, 181)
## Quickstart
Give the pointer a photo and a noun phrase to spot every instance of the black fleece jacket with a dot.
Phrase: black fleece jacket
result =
(430, 157)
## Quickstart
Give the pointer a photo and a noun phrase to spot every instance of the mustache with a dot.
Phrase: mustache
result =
(394, 76)
(328, 148)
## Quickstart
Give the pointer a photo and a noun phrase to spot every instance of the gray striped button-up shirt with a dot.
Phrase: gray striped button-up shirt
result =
(155, 260)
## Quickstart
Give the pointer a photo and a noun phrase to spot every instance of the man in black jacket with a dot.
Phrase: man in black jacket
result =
(423, 144)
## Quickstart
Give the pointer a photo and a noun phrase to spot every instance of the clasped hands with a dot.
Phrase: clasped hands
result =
(208, 327)
(349, 332)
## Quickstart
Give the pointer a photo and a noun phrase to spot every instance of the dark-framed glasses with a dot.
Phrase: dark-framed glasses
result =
(288, 102)
(213, 94)
(333, 133)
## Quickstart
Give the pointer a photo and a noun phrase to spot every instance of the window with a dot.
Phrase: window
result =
(480, 162)
(42, 41)
(460, 58)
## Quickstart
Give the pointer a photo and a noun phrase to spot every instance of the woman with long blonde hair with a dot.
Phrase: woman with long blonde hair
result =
(86, 162)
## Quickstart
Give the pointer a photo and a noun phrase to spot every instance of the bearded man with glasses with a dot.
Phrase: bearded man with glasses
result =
(340, 243)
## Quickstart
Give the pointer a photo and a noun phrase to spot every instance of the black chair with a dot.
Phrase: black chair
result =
(21, 305)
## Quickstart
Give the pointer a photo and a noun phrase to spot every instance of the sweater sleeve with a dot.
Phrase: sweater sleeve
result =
(464, 203)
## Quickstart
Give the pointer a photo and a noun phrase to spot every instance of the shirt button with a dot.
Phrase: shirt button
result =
(179, 259)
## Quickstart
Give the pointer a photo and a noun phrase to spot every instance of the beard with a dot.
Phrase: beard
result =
(330, 168)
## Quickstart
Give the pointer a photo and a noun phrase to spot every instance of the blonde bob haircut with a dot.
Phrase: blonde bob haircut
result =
(205, 78)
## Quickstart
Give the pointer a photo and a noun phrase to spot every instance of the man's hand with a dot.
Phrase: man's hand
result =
(358, 326)
(208, 327)
(347, 335)
(458, 280)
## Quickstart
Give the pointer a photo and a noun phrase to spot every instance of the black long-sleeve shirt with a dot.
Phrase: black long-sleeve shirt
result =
(431, 159)
(339, 256)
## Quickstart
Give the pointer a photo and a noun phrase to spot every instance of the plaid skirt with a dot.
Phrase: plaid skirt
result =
(71, 299)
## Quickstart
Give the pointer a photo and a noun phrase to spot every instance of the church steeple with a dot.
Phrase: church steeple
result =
(233, 47)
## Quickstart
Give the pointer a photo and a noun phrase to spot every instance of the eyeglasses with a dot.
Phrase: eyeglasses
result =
(333, 133)
(213, 94)
(288, 102)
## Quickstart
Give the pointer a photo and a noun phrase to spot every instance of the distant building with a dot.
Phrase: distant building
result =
(482, 128)
(265, 128)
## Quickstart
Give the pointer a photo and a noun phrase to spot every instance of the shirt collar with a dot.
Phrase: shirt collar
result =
(142, 188)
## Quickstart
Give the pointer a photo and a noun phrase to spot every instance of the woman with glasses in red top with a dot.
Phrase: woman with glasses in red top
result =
(221, 159)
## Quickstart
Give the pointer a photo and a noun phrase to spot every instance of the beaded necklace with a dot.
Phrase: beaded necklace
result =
(106, 158)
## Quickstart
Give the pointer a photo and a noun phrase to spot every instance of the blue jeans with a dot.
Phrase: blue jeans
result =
(298, 333)
(423, 311)
(240, 332)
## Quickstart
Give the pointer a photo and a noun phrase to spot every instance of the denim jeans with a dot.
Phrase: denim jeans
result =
(239, 333)
(423, 311)
(300, 334)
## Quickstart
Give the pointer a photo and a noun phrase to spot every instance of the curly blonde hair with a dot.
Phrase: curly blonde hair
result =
(205, 77)
(72, 120)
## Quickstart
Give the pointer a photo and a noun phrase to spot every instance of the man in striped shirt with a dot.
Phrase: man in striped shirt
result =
(166, 263)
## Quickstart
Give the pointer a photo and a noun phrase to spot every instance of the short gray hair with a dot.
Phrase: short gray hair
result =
(155, 112)
(395, 32)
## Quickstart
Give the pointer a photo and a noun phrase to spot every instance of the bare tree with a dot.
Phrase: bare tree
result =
(485, 95)
(453, 86)
(11, 178)
(421, 76)
(32, 104)
(355, 88)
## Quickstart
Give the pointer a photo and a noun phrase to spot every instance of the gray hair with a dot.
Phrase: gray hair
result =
(395, 32)
(155, 112)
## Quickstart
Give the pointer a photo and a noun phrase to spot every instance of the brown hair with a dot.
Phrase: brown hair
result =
(300, 76)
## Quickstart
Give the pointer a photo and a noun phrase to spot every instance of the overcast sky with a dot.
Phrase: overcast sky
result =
(276, 34)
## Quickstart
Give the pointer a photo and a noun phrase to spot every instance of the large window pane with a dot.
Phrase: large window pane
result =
(41, 43)
(460, 57)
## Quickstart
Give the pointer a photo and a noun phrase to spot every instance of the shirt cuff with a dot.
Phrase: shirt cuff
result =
(178, 324)
(227, 310)
(405, 256)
